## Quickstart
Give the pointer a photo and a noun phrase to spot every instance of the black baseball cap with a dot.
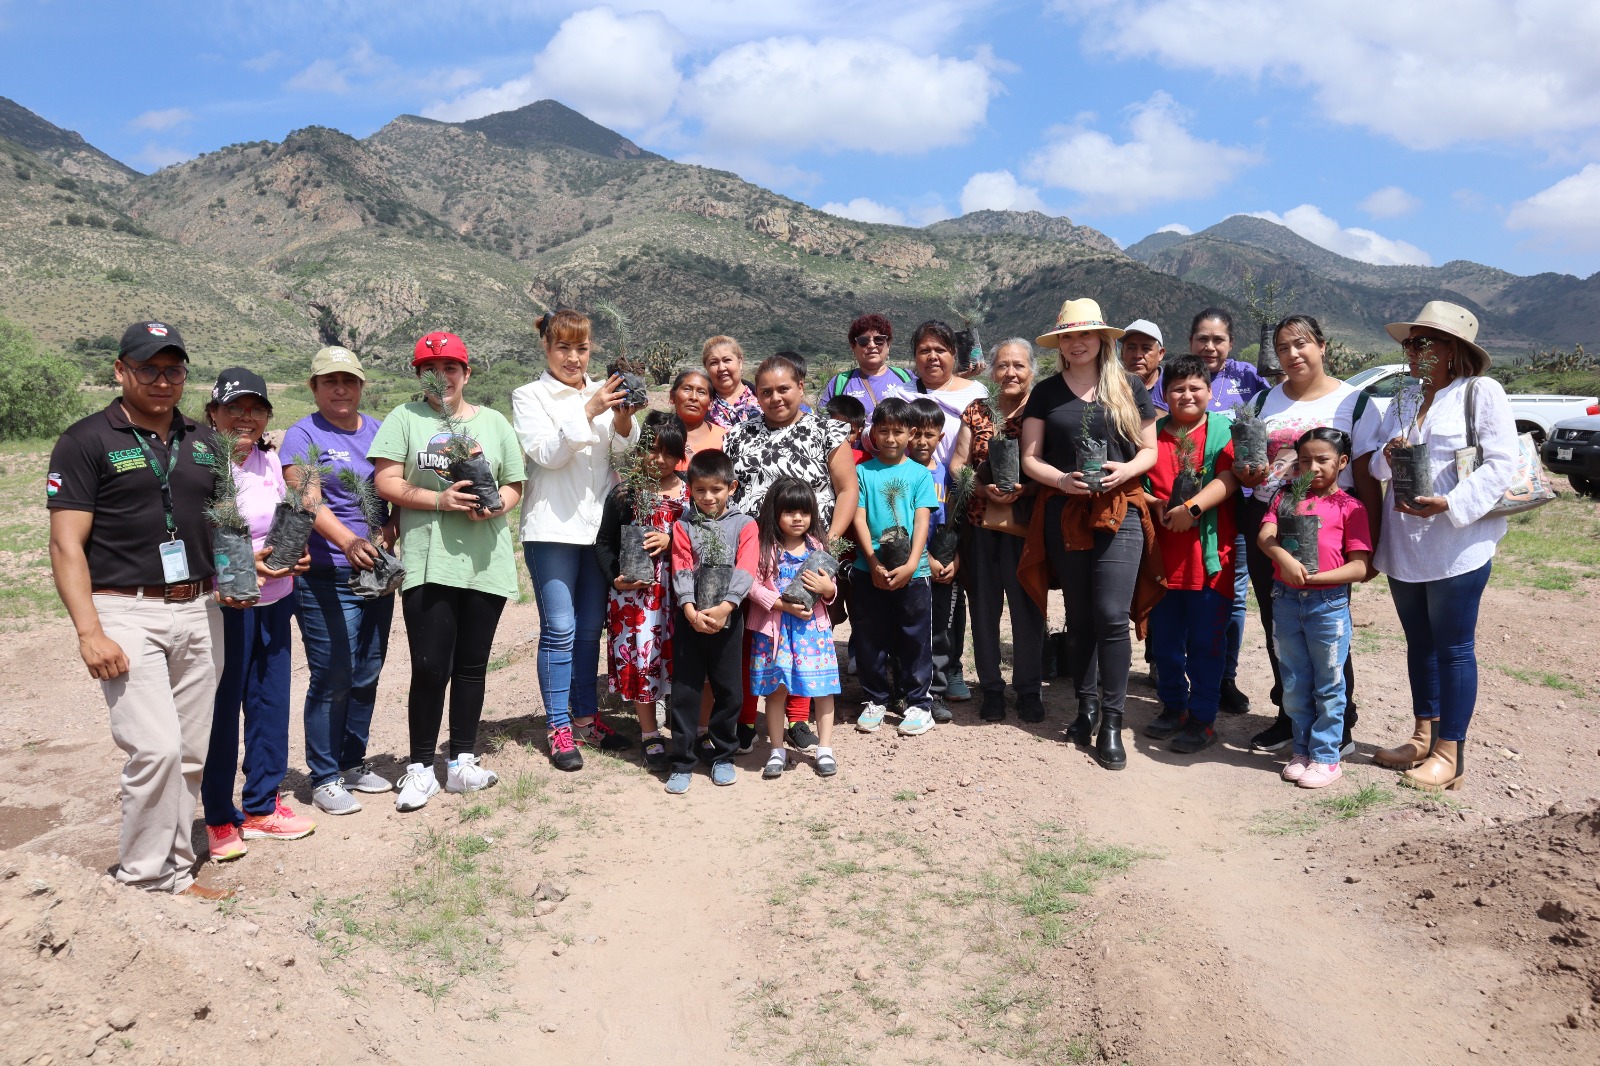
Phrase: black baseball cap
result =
(142, 340)
(235, 382)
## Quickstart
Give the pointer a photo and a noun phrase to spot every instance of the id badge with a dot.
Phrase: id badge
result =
(174, 563)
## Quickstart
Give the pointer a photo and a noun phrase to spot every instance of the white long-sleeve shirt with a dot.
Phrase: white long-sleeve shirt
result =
(1463, 538)
(569, 459)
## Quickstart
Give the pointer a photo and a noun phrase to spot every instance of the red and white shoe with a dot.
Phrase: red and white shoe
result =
(226, 843)
(281, 824)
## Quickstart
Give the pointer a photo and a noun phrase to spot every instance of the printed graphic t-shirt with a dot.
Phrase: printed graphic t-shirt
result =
(338, 449)
(447, 547)
(1287, 420)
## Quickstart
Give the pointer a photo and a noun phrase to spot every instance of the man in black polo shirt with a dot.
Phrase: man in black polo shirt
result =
(131, 553)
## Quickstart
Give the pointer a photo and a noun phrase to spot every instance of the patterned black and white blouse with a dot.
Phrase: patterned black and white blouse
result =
(762, 455)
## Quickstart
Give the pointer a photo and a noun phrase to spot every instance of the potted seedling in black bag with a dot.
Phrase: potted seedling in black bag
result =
(639, 481)
(1297, 533)
(818, 561)
(894, 543)
(969, 347)
(1091, 451)
(714, 566)
(295, 514)
(231, 547)
(463, 463)
(388, 573)
(1005, 453)
(1411, 468)
(631, 372)
(1249, 433)
(944, 541)
(1187, 480)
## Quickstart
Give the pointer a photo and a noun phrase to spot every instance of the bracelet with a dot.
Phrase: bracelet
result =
(437, 497)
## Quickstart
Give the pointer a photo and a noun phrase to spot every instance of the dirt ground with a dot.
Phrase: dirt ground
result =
(983, 892)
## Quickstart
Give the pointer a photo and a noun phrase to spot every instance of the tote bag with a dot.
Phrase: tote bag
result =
(1530, 487)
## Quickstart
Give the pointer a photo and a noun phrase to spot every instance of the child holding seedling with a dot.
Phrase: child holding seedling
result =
(791, 644)
(712, 546)
(947, 630)
(1187, 489)
(1317, 537)
(639, 618)
(894, 604)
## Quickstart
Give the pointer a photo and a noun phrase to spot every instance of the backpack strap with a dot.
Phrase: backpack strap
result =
(1361, 409)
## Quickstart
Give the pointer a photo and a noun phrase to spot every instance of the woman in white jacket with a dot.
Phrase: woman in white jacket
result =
(1438, 548)
(569, 426)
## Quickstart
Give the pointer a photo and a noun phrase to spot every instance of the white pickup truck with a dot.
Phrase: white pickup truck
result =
(1535, 413)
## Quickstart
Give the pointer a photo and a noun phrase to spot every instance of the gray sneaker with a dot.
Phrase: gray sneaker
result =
(363, 779)
(333, 798)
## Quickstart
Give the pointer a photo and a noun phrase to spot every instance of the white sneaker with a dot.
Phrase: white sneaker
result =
(917, 721)
(417, 787)
(363, 779)
(871, 717)
(467, 776)
(334, 798)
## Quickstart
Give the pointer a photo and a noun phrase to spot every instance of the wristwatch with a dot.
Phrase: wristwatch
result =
(1194, 509)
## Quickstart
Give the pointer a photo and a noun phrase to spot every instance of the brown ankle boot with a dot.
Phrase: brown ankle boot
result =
(1441, 770)
(1409, 753)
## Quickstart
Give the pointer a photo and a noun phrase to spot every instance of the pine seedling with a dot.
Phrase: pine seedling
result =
(1086, 423)
(713, 549)
(222, 511)
(367, 499)
(1188, 456)
(992, 401)
(457, 446)
(639, 481)
(307, 495)
(839, 545)
(893, 493)
(958, 491)
(1295, 493)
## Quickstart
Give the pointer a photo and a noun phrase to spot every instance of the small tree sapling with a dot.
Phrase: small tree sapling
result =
(463, 463)
(631, 371)
(945, 540)
(233, 552)
(1249, 434)
(1186, 482)
(894, 543)
(296, 513)
(388, 573)
(1411, 467)
(713, 565)
(818, 561)
(969, 347)
(1005, 455)
(1297, 532)
(639, 482)
(1091, 450)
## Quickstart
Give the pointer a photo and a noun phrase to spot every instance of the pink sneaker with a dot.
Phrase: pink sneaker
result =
(1319, 774)
(226, 843)
(1295, 768)
(281, 824)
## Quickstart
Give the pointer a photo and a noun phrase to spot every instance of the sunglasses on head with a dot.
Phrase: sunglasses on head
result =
(875, 341)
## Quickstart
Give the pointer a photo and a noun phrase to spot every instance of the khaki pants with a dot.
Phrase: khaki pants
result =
(161, 713)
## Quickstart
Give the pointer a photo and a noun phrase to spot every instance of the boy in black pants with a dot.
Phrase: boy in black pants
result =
(949, 606)
(709, 645)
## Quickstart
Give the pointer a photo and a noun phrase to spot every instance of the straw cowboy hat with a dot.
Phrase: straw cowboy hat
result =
(1078, 316)
(1449, 318)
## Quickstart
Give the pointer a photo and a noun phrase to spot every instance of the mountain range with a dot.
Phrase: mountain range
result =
(262, 251)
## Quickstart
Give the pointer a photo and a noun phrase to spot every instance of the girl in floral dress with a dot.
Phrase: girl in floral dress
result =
(639, 615)
(791, 647)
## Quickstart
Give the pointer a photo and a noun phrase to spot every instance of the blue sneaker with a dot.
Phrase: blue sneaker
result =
(678, 783)
(722, 773)
(871, 717)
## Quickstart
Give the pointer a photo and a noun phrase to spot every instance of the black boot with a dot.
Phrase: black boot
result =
(1081, 731)
(1108, 750)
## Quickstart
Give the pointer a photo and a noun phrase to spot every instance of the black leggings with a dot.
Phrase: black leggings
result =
(1097, 589)
(1251, 512)
(450, 631)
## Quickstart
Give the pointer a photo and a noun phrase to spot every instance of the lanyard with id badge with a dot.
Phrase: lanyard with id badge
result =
(174, 557)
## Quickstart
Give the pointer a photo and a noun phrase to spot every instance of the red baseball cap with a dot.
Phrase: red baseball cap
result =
(439, 346)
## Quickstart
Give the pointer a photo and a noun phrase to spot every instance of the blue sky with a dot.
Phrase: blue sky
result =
(1415, 132)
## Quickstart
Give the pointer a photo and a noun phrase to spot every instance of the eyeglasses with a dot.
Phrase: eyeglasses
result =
(877, 341)
(1419, 345)
(239, 410)
(147, 375)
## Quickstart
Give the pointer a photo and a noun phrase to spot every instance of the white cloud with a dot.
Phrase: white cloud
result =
(156, 156)
(1391, 201)
(795, 94)
(1354, 243)
(162, 120)
(998, 190)
(1175, 227)
(334, 75)
(1162, 162)
(862, 209)
(1566, 214)
(1426, 74)
(619, 70)
(264, 62)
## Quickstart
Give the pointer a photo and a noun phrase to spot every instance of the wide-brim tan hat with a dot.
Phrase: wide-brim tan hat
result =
(1078, 316)
(1446, 318)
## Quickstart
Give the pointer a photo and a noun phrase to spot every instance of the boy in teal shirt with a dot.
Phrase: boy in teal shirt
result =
(893, 612)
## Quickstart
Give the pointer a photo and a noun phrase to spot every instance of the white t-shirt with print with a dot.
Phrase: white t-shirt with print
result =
(1287, 420)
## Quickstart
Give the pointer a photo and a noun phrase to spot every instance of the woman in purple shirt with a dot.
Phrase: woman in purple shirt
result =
(345, 636)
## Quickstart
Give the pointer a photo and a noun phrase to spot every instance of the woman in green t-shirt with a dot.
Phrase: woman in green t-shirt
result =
(460, 561)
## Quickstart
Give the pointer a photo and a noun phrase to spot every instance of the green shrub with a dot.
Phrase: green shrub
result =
(38, 391)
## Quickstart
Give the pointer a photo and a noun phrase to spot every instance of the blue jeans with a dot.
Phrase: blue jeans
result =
(1241, 589)
(570, 590)
(346, 639)
(1440, 619)
(255, 677)
(1188, 628)
(1312, 630)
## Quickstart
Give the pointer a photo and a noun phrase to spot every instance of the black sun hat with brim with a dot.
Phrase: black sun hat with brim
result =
(143, 340)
